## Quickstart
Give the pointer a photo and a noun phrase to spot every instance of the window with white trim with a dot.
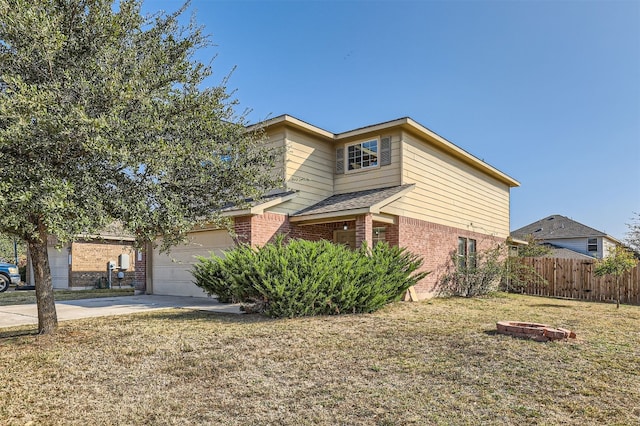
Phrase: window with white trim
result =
(592, 245)
(362, 155)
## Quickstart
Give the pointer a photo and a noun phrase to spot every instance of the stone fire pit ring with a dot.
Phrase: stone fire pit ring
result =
(535, 331)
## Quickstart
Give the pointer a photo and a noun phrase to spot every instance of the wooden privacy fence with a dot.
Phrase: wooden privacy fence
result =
(574, 279)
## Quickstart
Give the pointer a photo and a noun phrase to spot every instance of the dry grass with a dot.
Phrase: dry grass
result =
(22, 297)
(437, 362)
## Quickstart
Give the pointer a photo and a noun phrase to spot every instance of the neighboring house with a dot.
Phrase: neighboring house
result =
(564, 253)
(395, 181)
(82, 264)
(564, 233)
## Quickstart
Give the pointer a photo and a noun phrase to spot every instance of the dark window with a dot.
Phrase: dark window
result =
(379, 235)
(466, 253)
(592, 244)
(471, 253)
(462, 253)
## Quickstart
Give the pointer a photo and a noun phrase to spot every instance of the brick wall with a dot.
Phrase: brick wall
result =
(261, 229)
(89, 262)
(364, 230)
(242, 229)
(140, 265)
(436, 243)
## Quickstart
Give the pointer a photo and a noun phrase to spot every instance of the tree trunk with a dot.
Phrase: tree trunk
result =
(47, 316)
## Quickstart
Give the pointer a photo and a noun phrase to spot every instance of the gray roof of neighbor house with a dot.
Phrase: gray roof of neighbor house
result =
(355, 200)
(565, 253)
(557, 227)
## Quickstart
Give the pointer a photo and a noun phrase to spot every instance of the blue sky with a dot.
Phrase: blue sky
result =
(546, 91)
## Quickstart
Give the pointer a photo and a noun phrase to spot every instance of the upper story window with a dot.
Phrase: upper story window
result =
(592, 244)
(362, 155)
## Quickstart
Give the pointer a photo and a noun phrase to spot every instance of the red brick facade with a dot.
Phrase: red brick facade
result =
(435, 243)
(261, 229)
(88, 266)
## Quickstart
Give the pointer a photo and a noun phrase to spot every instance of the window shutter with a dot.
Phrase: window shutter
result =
(340, 160)
(385, 151)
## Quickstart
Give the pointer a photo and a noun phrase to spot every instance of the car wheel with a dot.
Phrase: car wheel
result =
(4, 283)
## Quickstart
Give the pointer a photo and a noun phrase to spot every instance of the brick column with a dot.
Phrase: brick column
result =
(140, 266)
(364, 230)
(242, 229)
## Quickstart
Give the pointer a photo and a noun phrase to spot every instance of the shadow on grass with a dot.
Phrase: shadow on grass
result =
(550, 305)
(220, 317)
(12, 334)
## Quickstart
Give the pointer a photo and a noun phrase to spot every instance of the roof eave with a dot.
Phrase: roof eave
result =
(259, 208)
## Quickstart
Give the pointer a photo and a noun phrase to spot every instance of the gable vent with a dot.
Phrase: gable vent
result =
(340, 160)
(385, 151)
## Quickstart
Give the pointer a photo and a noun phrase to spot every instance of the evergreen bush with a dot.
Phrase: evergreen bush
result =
(301, 278)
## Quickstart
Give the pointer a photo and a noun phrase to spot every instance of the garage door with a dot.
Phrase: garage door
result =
(59, 264)
(171, 273)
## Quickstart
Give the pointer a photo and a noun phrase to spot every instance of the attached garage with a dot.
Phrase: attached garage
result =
(59, 264)
(171, 273)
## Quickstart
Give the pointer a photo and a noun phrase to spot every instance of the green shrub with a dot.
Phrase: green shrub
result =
(210, 276)
(478, 279)
(302, 278)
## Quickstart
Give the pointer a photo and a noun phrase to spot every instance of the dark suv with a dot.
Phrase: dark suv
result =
(9, 274)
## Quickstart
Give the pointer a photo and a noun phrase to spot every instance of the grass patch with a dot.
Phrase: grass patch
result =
(24, 297)
(434, 362)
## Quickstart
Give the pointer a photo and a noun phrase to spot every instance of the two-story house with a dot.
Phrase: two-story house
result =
(562, 232)
(395, 181)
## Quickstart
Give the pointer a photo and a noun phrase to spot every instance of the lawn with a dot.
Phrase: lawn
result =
(434, 362)
(29, 296)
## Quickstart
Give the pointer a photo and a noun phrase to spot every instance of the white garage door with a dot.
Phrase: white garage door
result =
(171, 273)
(59, 265)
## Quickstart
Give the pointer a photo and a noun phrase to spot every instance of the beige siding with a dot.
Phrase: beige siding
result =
(450, 192)
(379, 177)
(309, 165)
(276, 140)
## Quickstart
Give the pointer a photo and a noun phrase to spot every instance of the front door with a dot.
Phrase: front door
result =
(347, 238)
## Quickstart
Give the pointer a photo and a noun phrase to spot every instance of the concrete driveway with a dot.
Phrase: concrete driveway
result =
(15, 315)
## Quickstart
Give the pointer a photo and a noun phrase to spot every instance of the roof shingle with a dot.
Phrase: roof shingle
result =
(557, 226)
(352, 200)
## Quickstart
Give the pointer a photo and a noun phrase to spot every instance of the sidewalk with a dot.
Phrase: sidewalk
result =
(15, 315)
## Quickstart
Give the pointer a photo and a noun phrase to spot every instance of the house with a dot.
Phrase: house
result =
(395, 181)
(561, 232)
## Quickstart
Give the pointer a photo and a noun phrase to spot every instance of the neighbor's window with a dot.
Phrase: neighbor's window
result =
(592, 244)
(466, 255)
(362, 155)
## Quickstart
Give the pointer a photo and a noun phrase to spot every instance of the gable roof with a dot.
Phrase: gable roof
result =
(558, 227)
(405, 123)
(359, 202)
